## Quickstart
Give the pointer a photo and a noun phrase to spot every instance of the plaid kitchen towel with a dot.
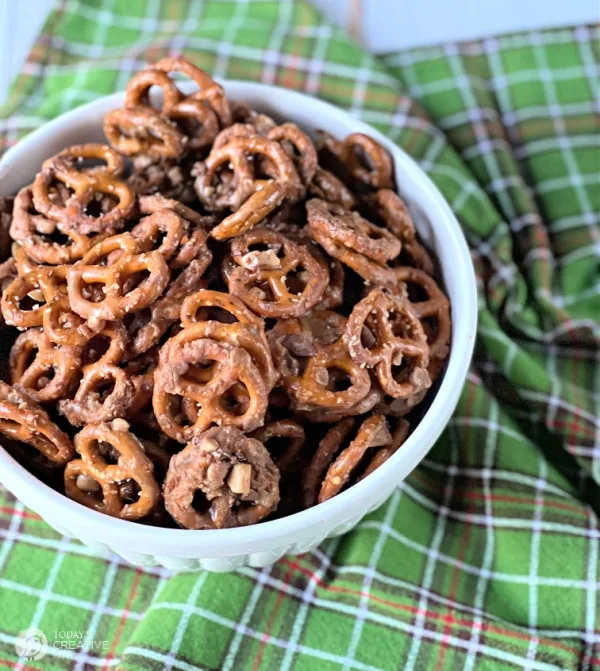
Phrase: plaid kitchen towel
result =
(487, 555)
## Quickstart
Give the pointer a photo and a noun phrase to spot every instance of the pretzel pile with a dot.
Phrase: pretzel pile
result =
(213, 320)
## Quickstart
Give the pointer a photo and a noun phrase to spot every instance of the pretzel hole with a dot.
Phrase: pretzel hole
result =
(135, 280)
(29, 303)
(363, 158)
(129, 491)
(277, 249)
(338, 380)
(367, 337)
(104, 388)
(28, 356)
(401, 367)
(90, 487)
(106, 452)
(94, 292)
(278, 446)
(100, 204)
(416, 292)
(184, 414)
(96, 348)
(216, 314)
(262, 291)
(200, 503)
(44, 378)
(297, 279)
(234, 402)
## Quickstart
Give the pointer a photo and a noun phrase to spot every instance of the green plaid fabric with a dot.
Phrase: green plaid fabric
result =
(487, 555)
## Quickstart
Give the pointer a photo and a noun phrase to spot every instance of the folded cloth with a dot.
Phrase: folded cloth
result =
(487, 555)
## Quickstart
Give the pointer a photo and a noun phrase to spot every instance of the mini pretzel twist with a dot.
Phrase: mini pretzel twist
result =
(350, 230)
(45, 240)
(25, 299)
(311, 363)
(86, 185)
(232, 473)
(44, 370)
(294, 279)
(196, 370)
(326, 186)
(199, 307)
(363, 158)
(105, 390)
(395, 215)
(299, 147)
(141, 130)
(398, 340)
(339, 463)
(435, 306)
(126, 489)
(23, 420)
(117, 300)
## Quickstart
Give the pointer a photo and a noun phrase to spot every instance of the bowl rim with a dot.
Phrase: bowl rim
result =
(231, 541)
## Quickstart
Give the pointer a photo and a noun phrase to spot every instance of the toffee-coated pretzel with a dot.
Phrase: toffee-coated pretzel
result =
(373, 432)
(86, 185)
(327, 186)
(34, 232)
(239, 155)
(117, 301)
(333, 415)
(233, 473)
(105, 390)
(399, 436)
(295, 279)
(125, 489)
(168, 177)
(311, 357)
(435, 306)
(140, 371)
(23, 420)
(140, 130)
(22, 261)
(349, 229)
(398, 341)
(25, 299)
(202, 305)
(44, 370)
(228, 367)
(291, 433)
(394, 213)
(366, 161)
(299, 147)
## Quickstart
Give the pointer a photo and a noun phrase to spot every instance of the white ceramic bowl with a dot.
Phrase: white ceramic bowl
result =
(261, 544)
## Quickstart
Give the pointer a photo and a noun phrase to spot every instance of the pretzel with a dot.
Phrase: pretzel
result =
(308, 352)
(140, 372)
(366, 161)
(229, 366)
(341, 463)
(239, 155)
(149, 325)
(231, 474)
(6, 216)
(126, 489)
(395, 215)
(299, 147)
(44, 370)
(291, 433)
(149, 204)
(326, 186)
(116, 302)
(399, 340)
(332, 415)
(370, 271)
(23, 420)
(105, 390)
(295, 279)
(65, 327)
(36, 232)
(178, 245)
(140, 130)
(352, 231)
(26, 297)
(86, 185)
(435, 306)
(201, 306)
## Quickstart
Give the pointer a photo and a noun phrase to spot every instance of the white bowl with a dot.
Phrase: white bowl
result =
(261, 544)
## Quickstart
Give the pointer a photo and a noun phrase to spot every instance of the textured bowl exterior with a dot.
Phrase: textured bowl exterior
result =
(261, 544)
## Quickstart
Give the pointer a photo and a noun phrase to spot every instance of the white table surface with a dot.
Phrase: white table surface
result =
(386, 25)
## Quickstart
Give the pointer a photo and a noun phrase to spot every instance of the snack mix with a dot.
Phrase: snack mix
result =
(213, 320)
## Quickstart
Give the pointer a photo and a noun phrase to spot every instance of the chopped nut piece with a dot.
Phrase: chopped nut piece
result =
(240, 478)
(267, 260)
(87, 484)
(209, 445)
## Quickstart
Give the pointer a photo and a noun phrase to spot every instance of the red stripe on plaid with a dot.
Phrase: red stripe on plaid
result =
(13, 665)
(449, 619)
(25, 514)
(124, 615)
(271, 621)
(462, 622)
